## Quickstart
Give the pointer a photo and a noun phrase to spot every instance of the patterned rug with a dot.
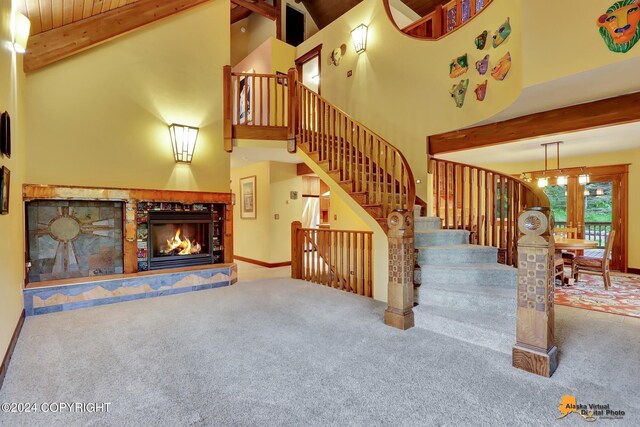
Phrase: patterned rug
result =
(623, 297)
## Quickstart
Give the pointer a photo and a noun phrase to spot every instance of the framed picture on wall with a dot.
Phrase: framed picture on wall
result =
(5, 185)
(248, 198)
(5, 134)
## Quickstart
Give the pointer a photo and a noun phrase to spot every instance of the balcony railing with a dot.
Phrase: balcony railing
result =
(597, 231)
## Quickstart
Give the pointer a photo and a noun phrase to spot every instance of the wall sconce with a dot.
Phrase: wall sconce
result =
(21, 28)
(183, 141)
(316, 79)
(359, 37)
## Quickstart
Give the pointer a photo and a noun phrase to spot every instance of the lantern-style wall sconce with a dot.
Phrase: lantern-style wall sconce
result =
(21, 28)
(359, 37)
(183, 141)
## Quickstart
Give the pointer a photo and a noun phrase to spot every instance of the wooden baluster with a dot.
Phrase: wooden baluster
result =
(516, 212)
(296, 250)
(341, 275)
(487, 209)
(510, 222)
(361, 274)
(479, 202)
(334, 263)
(283, 99)
(494, 208)
(252, 107)
(236, 119)
(370, 265)
(454, 184)
(436, 185)
(307, 272)
(503, 222)
(446, 196)
(463, 187)
(228, 99)
(259, 111)
(348, 271)
(371, 191)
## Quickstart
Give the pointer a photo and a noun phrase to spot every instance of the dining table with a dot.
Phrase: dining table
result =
(564, 244)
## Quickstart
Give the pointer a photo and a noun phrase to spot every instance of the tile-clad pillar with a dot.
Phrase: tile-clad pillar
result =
(399, 313)
(130, 237)
(535, 350)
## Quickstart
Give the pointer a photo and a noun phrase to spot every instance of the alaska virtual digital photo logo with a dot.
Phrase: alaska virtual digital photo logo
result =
(589, 412)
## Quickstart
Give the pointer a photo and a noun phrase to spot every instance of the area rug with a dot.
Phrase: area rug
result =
(622, 297)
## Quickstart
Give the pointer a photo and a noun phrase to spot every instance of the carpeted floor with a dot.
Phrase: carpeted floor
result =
(283, 352)
(622, 297)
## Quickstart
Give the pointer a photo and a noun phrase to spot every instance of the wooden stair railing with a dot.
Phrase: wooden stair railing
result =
(374, 172)
(485, 202)
(341, 259)
(444, 19)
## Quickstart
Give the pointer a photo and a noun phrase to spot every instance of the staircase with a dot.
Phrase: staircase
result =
(464, 293)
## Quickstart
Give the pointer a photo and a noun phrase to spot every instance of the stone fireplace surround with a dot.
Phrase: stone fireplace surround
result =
(66, 294)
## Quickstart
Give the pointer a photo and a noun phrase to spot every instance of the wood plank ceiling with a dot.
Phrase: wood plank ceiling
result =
(423, 7)
(46, 15)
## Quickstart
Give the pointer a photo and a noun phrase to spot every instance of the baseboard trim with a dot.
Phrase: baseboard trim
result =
(261, 263)
(633, 270)
(12, 345)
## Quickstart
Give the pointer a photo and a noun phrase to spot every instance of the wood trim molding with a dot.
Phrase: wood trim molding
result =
(593, 115)
(633, 270)
(12, 345)
(53, 45)
(312, 53)
(262, 263)
(260, 7)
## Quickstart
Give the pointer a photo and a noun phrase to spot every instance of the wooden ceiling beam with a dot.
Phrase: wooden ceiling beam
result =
(598, 114)
(59, 43)
(238, 13)
(258, 6)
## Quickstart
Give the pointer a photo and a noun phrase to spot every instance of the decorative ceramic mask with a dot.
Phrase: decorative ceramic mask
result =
(483, 66)
(481, 40)
(619, 26)
(459, 91)
(458, 66)
(481, 91)
(336, 55)
(502, 34)
(502, 68)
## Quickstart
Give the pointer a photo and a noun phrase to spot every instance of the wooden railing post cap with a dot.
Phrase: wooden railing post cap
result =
(536, 224)
(400, 223)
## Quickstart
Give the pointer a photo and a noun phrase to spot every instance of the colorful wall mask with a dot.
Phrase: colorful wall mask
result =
(502, 34)
(619, 26)
(483, 65)
(481, 91)
(481, 40)
(458, 66)
(459, 91)
(500, 71)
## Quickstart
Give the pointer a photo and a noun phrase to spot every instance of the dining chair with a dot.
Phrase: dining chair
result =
(595, 265)
(567, 233)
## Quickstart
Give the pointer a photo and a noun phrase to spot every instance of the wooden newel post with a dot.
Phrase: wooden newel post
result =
(535, 350)
(227, 103)
(292, 84)
(297, 250)
(399, 313)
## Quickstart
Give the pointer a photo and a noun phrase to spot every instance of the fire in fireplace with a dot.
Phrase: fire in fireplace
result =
(179, 239)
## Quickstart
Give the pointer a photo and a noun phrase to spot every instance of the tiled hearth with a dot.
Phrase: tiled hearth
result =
(112, 289)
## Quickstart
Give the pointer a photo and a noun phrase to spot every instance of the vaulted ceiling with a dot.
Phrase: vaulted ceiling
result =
(423, 7)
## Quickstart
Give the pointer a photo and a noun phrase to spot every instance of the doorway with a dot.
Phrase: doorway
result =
(295, 26)
(594, 205)
(309, 68)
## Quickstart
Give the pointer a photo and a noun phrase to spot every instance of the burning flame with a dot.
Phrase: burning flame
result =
(182, 246)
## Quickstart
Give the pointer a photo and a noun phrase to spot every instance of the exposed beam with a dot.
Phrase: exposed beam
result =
(59, 43)
(598, 114)
(238, 13)
(258, 6)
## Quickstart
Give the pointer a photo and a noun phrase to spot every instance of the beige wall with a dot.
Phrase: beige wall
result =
(266, 238)
(11, 225)
(239, 41)
(603, 159)
(259, 29)
(342, 217)
(100, 117)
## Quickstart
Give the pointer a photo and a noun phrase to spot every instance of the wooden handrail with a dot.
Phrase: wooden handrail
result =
(360, 159)
(485, 202)
(342, 259)
(434, 26)
(256, 99)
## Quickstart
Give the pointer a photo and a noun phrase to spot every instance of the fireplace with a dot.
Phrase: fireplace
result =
(180, 239)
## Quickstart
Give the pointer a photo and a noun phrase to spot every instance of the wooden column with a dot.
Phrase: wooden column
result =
(535, 350)
(297, 250)
(292, 127)
(227, 103)
(399, 313)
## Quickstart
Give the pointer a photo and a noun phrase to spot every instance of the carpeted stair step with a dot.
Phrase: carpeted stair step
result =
(490, 330)
(441, 237)
(469, 276)
(427, 223)
(457, 254)
(488, 299)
